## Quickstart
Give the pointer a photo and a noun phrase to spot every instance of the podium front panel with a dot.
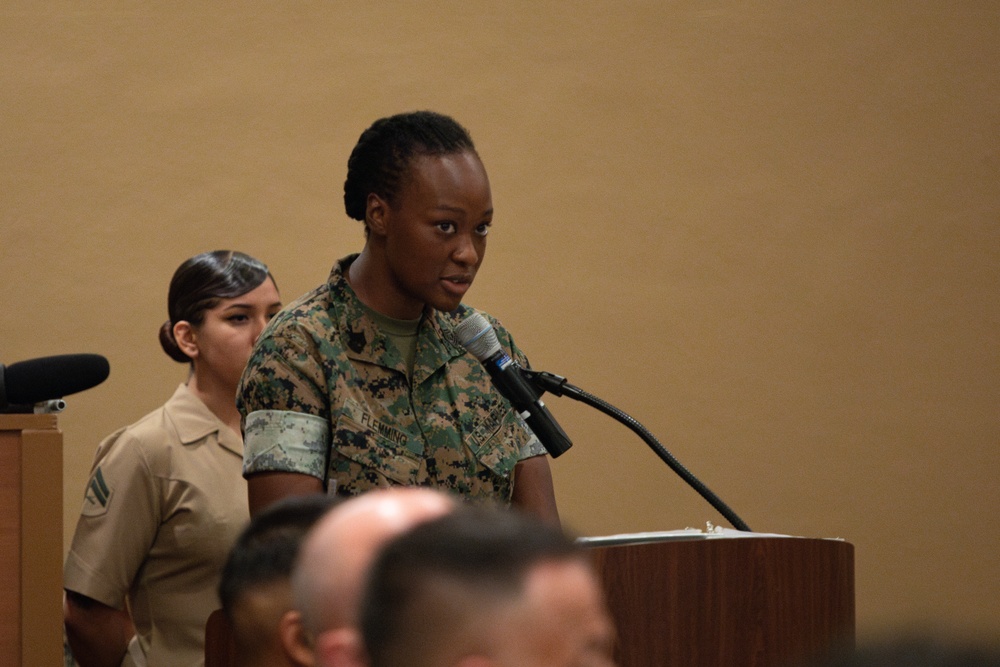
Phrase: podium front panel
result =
(732, 602)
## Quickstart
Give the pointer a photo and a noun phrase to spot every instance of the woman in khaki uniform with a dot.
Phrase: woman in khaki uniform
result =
(166, 497)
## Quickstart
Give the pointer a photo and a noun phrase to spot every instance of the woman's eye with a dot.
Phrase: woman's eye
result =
(446, 227)
(237, 318)
(483, 229)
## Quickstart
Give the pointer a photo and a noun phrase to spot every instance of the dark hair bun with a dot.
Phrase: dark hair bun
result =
(169, 345)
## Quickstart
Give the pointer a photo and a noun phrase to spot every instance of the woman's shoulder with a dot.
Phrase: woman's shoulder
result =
(133, 445)
(144, 437)
(304, 318)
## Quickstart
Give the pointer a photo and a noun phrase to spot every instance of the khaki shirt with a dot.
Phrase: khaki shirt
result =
(164, 504)
(326, 393)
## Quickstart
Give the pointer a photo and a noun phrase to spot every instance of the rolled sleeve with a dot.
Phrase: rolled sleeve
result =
(114, 536)
(533, 447)
(283, 441)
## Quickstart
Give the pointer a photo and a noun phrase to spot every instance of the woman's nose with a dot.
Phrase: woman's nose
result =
(466, 252)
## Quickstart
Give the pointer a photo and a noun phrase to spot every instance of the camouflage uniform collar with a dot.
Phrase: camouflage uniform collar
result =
(364, 341)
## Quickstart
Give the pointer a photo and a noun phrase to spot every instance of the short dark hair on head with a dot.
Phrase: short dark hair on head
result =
(267, 548)
(382, 155)
(486, 553)
(198, 285)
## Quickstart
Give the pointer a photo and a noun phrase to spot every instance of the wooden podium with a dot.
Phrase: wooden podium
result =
(736, 601)
(30, 540)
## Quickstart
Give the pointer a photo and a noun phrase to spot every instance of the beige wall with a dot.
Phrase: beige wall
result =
(770, 231)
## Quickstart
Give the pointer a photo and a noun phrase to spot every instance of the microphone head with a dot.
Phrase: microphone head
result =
(46, 378)
(478, 337)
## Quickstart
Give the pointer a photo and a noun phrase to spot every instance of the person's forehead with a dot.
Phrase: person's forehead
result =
(569, 593)
(458, 171)
(562, 616)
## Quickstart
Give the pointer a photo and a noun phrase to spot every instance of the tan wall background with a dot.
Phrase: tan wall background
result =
(770, 231)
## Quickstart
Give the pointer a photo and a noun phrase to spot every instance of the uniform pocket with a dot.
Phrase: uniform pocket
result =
(495, 437)
(374, 446)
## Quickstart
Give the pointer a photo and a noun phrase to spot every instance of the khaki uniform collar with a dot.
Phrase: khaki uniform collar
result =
(364, 341)
(193, 421)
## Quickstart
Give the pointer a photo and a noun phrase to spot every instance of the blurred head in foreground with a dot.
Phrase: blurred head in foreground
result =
(329, 575)
(485, 588)
(255, 588)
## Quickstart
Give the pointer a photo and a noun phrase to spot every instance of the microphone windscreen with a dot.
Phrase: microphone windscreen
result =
(45, 378)
(478, 337)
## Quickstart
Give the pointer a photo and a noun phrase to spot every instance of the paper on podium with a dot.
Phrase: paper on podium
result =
(710, 532)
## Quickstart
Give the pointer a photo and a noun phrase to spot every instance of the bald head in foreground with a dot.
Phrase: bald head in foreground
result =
(485, 588)
(329, 575)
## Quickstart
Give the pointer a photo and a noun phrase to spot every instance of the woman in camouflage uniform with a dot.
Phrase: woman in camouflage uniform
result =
(361, 383)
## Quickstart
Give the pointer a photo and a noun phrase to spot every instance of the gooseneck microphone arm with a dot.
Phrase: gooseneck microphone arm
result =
(559, 386)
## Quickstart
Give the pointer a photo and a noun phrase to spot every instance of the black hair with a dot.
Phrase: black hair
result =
(485, 552)
(267, 548)
(380, 159)
(200, 283)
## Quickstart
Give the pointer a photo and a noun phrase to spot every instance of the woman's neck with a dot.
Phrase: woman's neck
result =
(367, 276)
(221, 400)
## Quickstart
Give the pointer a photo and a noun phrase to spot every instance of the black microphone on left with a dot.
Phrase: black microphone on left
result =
(479, 338)
(25, 383)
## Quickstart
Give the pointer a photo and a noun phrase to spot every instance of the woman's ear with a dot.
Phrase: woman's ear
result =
(376, 211)
(186, 339)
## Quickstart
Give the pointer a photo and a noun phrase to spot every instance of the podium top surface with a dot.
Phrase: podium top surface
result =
(685, 534)
(28, 422)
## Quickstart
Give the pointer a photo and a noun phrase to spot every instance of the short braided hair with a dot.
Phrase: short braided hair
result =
(381, 158)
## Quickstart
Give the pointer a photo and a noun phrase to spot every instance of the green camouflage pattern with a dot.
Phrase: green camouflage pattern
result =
(325, 390)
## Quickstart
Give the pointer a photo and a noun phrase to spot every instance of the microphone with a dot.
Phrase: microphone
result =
(479, 338)
(26, 383)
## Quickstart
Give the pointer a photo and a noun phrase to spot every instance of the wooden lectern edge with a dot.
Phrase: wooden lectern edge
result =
(31, 617)
(17, 421)
(687, 534)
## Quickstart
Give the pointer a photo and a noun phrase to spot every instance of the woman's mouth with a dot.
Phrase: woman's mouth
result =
(457, 285)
